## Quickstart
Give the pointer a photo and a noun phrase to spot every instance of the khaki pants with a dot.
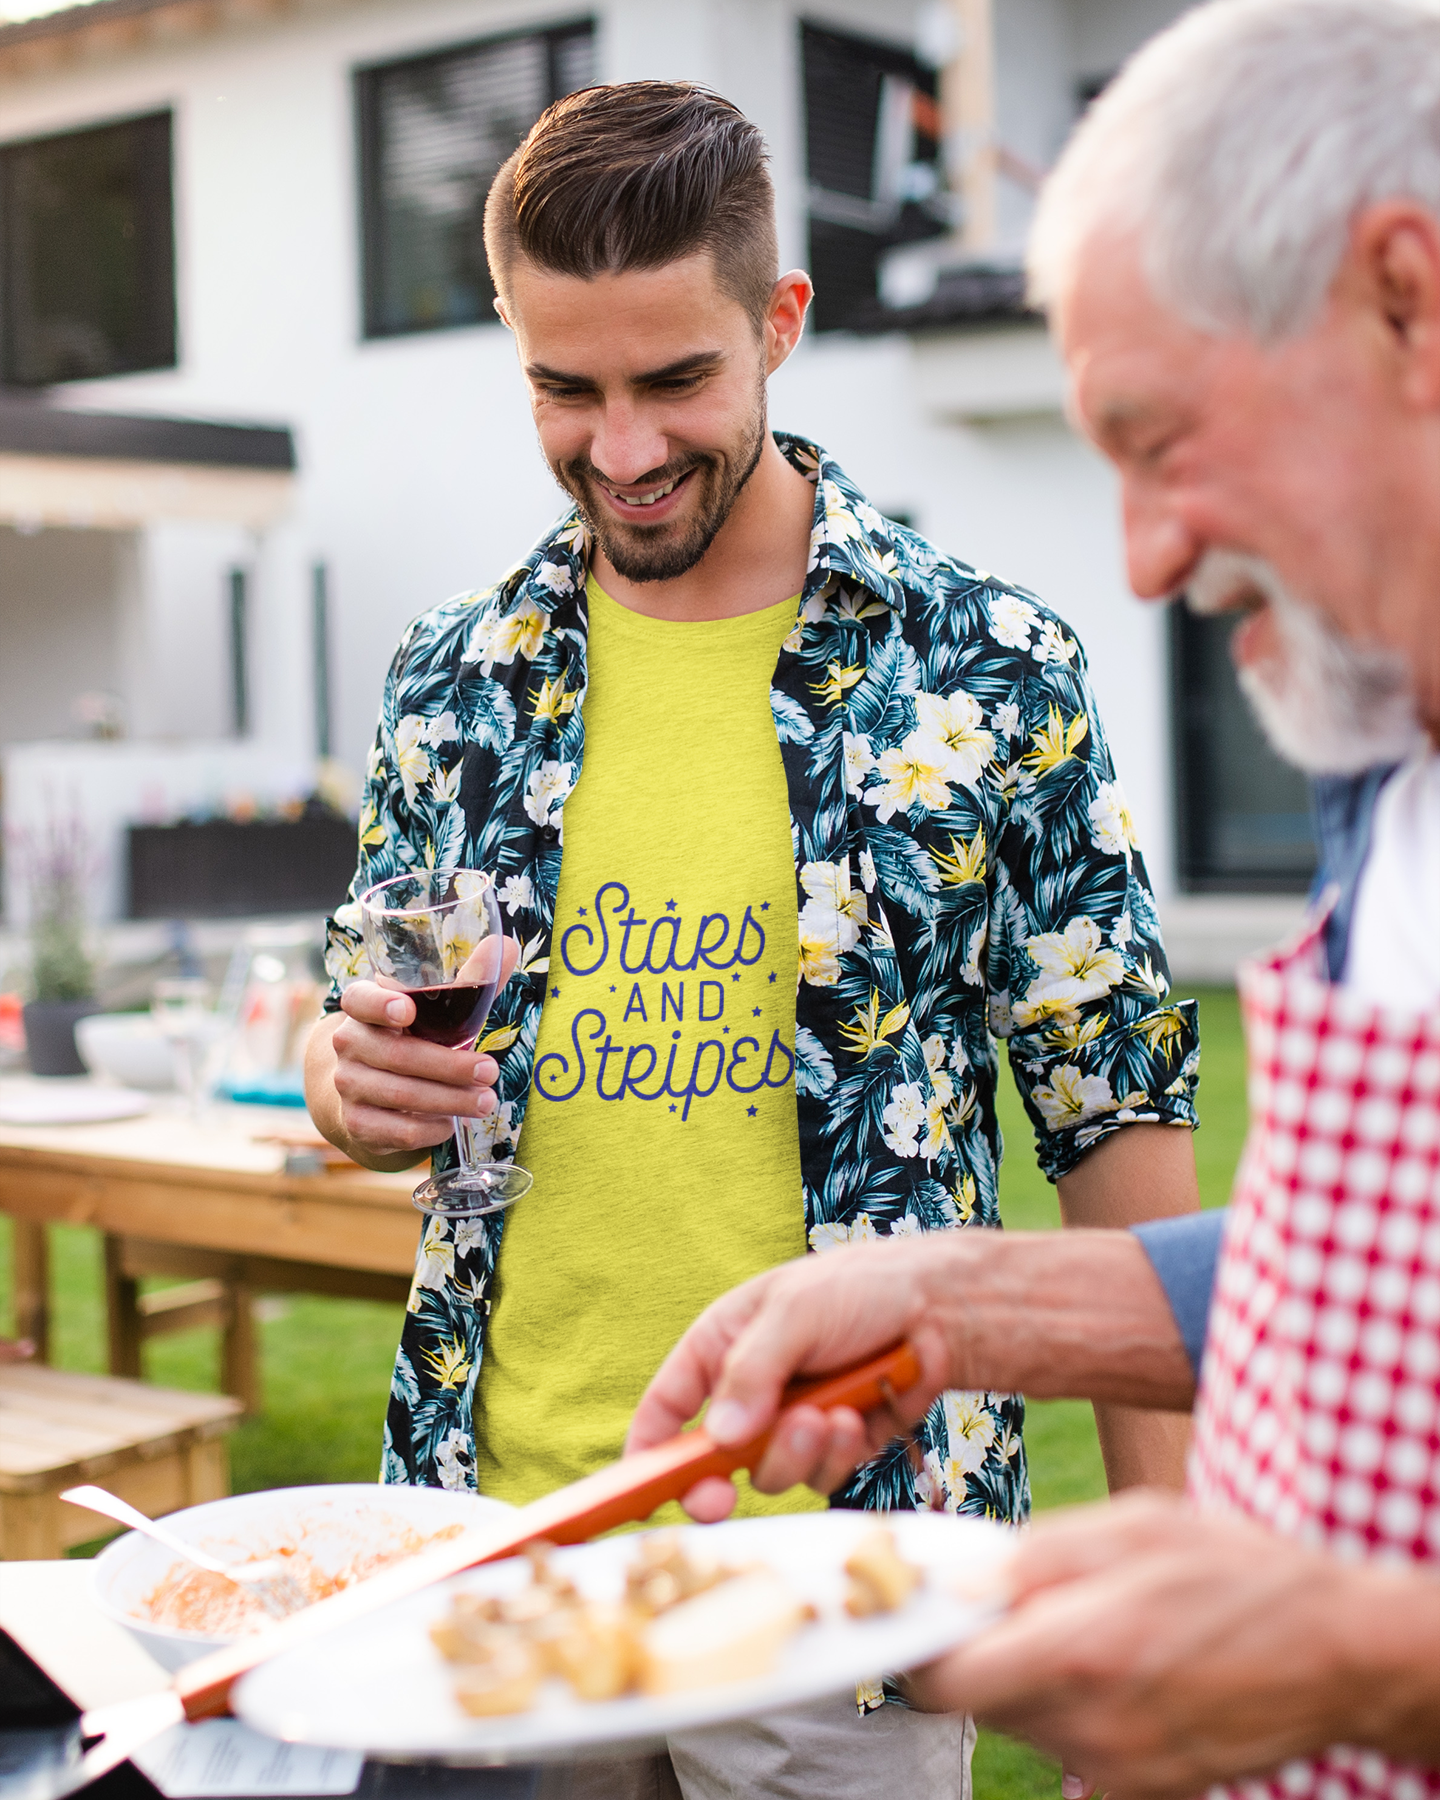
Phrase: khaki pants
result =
(821, 1752)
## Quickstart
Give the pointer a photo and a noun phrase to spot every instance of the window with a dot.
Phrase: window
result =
(433, 134)
(872, 146)
(1243, 815)
(87, 254)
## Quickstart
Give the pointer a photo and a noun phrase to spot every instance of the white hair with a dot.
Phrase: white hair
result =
(1239, 145)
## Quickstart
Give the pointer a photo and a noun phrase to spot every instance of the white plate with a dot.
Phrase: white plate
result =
(382, 1687)
(66, 1102)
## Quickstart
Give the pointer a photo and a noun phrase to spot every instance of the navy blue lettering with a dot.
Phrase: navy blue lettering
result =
(776, 1043)
(709, 1017)
(707, 952)
(589, 935)
(589, 1012)
(629, 1083)
(630, 923)
(668, 999)
(692, 1090)
(737, 1061)
(608, 1049)
(636, 1004)
(751, 924)
(670, 923)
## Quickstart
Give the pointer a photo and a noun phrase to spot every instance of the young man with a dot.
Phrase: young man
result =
(783, 737)
(1240, 250)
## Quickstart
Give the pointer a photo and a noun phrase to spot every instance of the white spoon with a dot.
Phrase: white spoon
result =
(269, 1581)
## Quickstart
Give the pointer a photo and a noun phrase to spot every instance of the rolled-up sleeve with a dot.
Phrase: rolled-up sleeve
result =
(1184, 1253)
(1075, 965)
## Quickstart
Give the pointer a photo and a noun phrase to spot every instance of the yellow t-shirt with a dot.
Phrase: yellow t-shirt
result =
(661, 1126)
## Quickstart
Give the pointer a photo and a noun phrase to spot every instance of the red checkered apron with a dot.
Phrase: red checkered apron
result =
(1319, 1406)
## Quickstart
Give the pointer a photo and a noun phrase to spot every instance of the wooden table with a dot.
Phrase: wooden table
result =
(205, 1201)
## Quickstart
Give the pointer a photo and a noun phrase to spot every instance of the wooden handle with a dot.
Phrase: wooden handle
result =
(638, 1485)
(623, 1493)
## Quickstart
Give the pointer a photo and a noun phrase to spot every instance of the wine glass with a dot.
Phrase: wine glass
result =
(437, 937)
(181, 1011)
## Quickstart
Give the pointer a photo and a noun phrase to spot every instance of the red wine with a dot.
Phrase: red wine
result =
(451, 1015)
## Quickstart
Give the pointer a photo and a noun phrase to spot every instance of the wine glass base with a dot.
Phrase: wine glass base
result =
(473, 1193)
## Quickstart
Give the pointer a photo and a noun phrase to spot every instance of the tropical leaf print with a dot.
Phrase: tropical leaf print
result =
(966, 871)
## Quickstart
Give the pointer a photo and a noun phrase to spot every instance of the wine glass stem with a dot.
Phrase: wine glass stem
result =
(465, 1145)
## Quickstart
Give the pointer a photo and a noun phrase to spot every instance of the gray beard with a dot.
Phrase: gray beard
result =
(1327, 704)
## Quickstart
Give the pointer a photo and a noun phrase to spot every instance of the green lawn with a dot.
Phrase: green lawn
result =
(327, 1362)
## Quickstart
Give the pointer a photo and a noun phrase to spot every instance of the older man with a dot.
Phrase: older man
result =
(1240, 254)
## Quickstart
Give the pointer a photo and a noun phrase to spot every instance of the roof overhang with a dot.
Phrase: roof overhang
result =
(118, 472)
(100, 28)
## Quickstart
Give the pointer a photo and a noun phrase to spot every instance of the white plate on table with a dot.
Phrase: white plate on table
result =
(68, 1102)
(380, 1686)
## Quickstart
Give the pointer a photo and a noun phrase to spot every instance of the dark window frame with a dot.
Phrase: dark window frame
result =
(158, 337)
(367, 83)
(845, 234)
(1202, 865)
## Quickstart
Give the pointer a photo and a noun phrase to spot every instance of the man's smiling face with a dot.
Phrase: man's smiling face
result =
(1303, 457)
(647, 389)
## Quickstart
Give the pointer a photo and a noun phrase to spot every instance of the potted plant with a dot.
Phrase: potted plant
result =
(62, 973)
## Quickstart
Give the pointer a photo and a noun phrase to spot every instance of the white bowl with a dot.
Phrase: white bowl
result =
(127, 1048)
(331, 1523)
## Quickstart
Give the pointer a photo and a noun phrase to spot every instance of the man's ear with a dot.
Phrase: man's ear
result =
(499, 306)
(1393, 272)
(785, 316)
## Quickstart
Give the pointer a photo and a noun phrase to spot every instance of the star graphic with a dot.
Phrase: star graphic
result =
(670, 905)
(672, 1109)
(581, 911)
(725, 1028)
(772, 974)
(764, 906)
(554, 993)
(735, 976)
(754, 1012)
(750, 1111)
(612, 990)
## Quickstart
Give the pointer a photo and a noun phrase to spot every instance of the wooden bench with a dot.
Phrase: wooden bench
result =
(155, 1447)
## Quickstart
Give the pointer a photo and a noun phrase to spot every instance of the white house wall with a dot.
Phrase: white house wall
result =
(418, 472)
(1018, 496)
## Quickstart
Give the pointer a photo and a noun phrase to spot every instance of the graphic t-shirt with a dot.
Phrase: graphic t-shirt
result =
(661, 1129)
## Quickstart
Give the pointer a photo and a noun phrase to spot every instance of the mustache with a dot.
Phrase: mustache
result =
(1224, 576)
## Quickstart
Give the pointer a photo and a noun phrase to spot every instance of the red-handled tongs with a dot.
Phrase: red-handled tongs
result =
(625, 1493)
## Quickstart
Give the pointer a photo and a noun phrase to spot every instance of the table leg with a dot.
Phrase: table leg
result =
(124, 1325)
(32, 1285)
(239, 1362)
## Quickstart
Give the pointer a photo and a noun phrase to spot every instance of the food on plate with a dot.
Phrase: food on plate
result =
(191, 1599)
(681, 1623)
(734, 1630)
(880, 1579)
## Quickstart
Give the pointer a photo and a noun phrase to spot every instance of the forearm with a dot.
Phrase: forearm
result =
(1387, 1647)
(1077, 1315)
(323, 1102)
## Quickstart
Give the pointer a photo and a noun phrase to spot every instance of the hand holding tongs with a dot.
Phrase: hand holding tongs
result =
(624, 1493)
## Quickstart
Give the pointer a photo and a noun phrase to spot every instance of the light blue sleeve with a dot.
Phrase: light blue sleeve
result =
(1184, 1252)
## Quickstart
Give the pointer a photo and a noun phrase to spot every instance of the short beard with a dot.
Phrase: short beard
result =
(1327, 704)
(647, 553)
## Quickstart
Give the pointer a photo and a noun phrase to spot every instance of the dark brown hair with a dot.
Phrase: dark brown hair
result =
(633, 176)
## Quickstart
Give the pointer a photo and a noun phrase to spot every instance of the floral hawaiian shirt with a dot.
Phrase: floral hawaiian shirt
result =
(966, 872)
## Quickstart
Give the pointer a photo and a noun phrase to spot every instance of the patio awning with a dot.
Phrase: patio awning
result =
(118, 471)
